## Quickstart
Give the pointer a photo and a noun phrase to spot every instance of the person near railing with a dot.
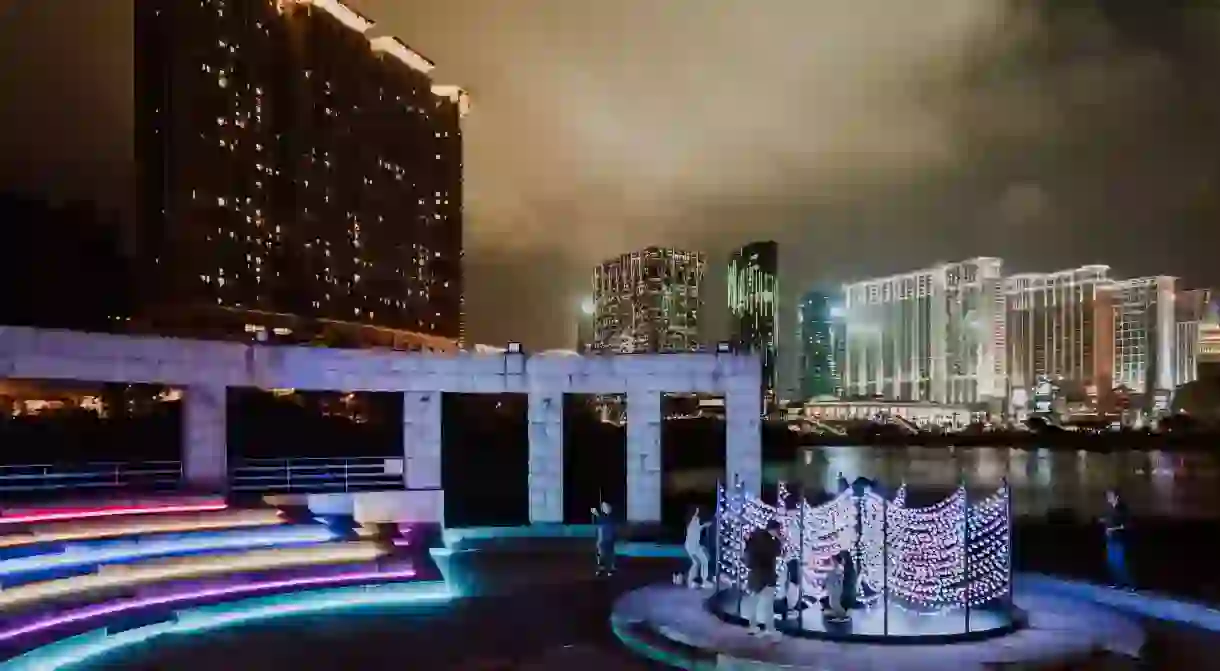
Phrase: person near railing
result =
(763, 549)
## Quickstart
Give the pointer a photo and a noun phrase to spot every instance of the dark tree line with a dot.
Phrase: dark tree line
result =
(63, 266)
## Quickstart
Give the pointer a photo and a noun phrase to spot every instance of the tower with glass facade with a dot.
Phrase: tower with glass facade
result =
(753, 302)
(648, 301)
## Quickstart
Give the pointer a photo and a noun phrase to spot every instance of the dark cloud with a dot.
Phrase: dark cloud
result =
(867, 137)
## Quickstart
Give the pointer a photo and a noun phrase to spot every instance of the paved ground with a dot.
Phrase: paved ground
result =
(559, 623)
(546, 614)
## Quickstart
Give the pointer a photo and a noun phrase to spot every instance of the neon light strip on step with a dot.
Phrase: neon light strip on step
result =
(89, 513)
(114, 608)
(124, 551)
(103, 528)
(131, 575)
(83, 648)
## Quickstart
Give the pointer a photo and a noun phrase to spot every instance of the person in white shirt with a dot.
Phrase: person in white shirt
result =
(696, 552)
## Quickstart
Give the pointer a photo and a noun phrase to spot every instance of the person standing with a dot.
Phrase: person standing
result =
(605, 538)
(763, 548)
(1117, 521)
(696, 552)
(836, 580)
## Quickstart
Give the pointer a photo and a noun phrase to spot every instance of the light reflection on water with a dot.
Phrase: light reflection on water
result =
(1155, 483)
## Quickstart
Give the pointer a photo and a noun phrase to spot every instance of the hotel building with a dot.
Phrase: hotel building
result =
(648, 301)
(1061, 325)
(936, 334)
(1145, 334)
(1192, 308)
(299, 174)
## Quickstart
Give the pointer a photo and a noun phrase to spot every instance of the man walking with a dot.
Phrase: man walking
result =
(1116, 522)
(763, 548)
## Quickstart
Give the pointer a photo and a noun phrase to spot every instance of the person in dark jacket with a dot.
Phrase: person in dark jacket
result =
(1116, 522)
(605, 538)
(763, 549)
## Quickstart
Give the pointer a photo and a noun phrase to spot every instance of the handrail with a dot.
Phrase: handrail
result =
(318, 474)
(156, 475)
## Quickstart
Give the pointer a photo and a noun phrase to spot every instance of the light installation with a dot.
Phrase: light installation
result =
(85, 647)
(951, 555)
(131, 575)
(57, 514)
(110, 552)
(113, 608)
(59, 532)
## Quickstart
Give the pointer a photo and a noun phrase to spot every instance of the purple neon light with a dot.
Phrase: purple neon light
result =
(111, 608)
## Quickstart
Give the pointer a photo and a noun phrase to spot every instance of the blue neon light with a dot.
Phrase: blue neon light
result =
(83, 648)
(124, 551)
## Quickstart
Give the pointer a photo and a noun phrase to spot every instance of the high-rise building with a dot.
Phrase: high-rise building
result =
(295, 167)
(1191, 309)
(1208, 354)
(649, 301)
(584, 325)
(753, 297)
(1061, 325)
(936, 334)
(821, 340)
(1145, 332)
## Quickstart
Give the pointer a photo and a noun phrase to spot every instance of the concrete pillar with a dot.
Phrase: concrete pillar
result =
(743, 437)
(644, 456)
(546, 457)
(205, 454)
(421, 439)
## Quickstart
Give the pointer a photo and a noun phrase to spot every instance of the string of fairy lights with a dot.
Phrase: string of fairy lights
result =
(930, 559)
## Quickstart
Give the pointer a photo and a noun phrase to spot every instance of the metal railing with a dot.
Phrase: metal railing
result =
(317, 474)
(153, 476)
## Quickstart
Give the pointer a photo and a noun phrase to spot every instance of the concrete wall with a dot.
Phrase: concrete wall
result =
(205, 369)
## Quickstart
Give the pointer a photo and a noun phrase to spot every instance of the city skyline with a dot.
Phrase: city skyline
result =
(1064, 156)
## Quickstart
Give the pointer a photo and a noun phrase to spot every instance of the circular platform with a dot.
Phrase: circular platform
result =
(878, 624)
(674, 625)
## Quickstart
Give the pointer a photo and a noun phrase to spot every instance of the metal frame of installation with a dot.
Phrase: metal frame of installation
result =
(929, 574)
(206, 369)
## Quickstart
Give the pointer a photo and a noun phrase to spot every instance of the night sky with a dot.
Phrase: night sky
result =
(867, 137)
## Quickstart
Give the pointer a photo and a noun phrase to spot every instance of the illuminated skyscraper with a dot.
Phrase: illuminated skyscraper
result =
(821, 339)
(753, 294)
(1207, 359)
(584, 325)
(649, 301)
(936, 334)
(1061, 325)
(1145, 332)
(1191, 310)
(295, 167)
